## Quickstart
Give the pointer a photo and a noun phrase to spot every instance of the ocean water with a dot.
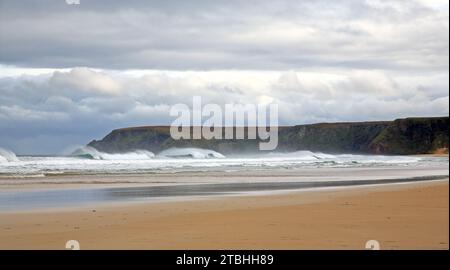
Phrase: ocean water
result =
(142, 176)
(90, 161)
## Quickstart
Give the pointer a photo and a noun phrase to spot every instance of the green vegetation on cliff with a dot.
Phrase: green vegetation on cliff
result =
(412, 136)
(402, 136)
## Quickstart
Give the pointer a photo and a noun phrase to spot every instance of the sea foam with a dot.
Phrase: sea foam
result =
(7, 156)
(92, 153)
(190, 153)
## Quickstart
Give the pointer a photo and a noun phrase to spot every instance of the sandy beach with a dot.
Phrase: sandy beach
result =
(399, 216)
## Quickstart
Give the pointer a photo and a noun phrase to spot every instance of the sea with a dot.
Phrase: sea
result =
(88, 177)
(88, 160)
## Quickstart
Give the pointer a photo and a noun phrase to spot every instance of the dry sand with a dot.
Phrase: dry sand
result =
(402, 216)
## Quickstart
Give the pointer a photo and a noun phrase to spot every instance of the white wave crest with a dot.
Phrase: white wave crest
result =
(92, 153)
(7, 156)
(190, 153)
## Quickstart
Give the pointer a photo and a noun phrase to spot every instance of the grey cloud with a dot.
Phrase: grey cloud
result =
(212, 35)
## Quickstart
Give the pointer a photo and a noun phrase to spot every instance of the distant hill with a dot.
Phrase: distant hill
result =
(401, 137)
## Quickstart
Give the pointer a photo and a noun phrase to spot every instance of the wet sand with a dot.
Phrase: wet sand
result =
(83, 190)
(62, 181)
(399, 216)
(14, 201)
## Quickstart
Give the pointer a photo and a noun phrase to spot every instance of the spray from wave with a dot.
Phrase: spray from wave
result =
(92, 153)
(7, 156)
(302, 155)
(190, 153)
(342, 158)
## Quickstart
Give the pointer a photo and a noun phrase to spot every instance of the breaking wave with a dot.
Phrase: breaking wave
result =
(7, 156)
(88, 160)
(92, 153)
(190, 153)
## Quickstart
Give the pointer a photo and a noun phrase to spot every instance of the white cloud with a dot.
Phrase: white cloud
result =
(145, 97)
(84, 79)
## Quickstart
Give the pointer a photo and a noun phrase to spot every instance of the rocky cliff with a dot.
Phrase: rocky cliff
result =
(401, 136)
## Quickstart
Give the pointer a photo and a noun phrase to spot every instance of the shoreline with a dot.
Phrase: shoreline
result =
(406, 216)
(208, 198)
(198, 177)
(45, 199)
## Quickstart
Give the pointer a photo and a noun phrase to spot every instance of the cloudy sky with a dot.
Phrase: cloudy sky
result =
(71, 73)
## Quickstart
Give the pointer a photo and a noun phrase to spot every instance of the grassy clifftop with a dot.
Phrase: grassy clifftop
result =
(402, 136)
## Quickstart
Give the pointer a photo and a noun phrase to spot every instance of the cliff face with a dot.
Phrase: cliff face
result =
(402, 136)
(413, 136)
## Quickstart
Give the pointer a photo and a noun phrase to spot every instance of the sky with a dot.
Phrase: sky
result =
(72, 73)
